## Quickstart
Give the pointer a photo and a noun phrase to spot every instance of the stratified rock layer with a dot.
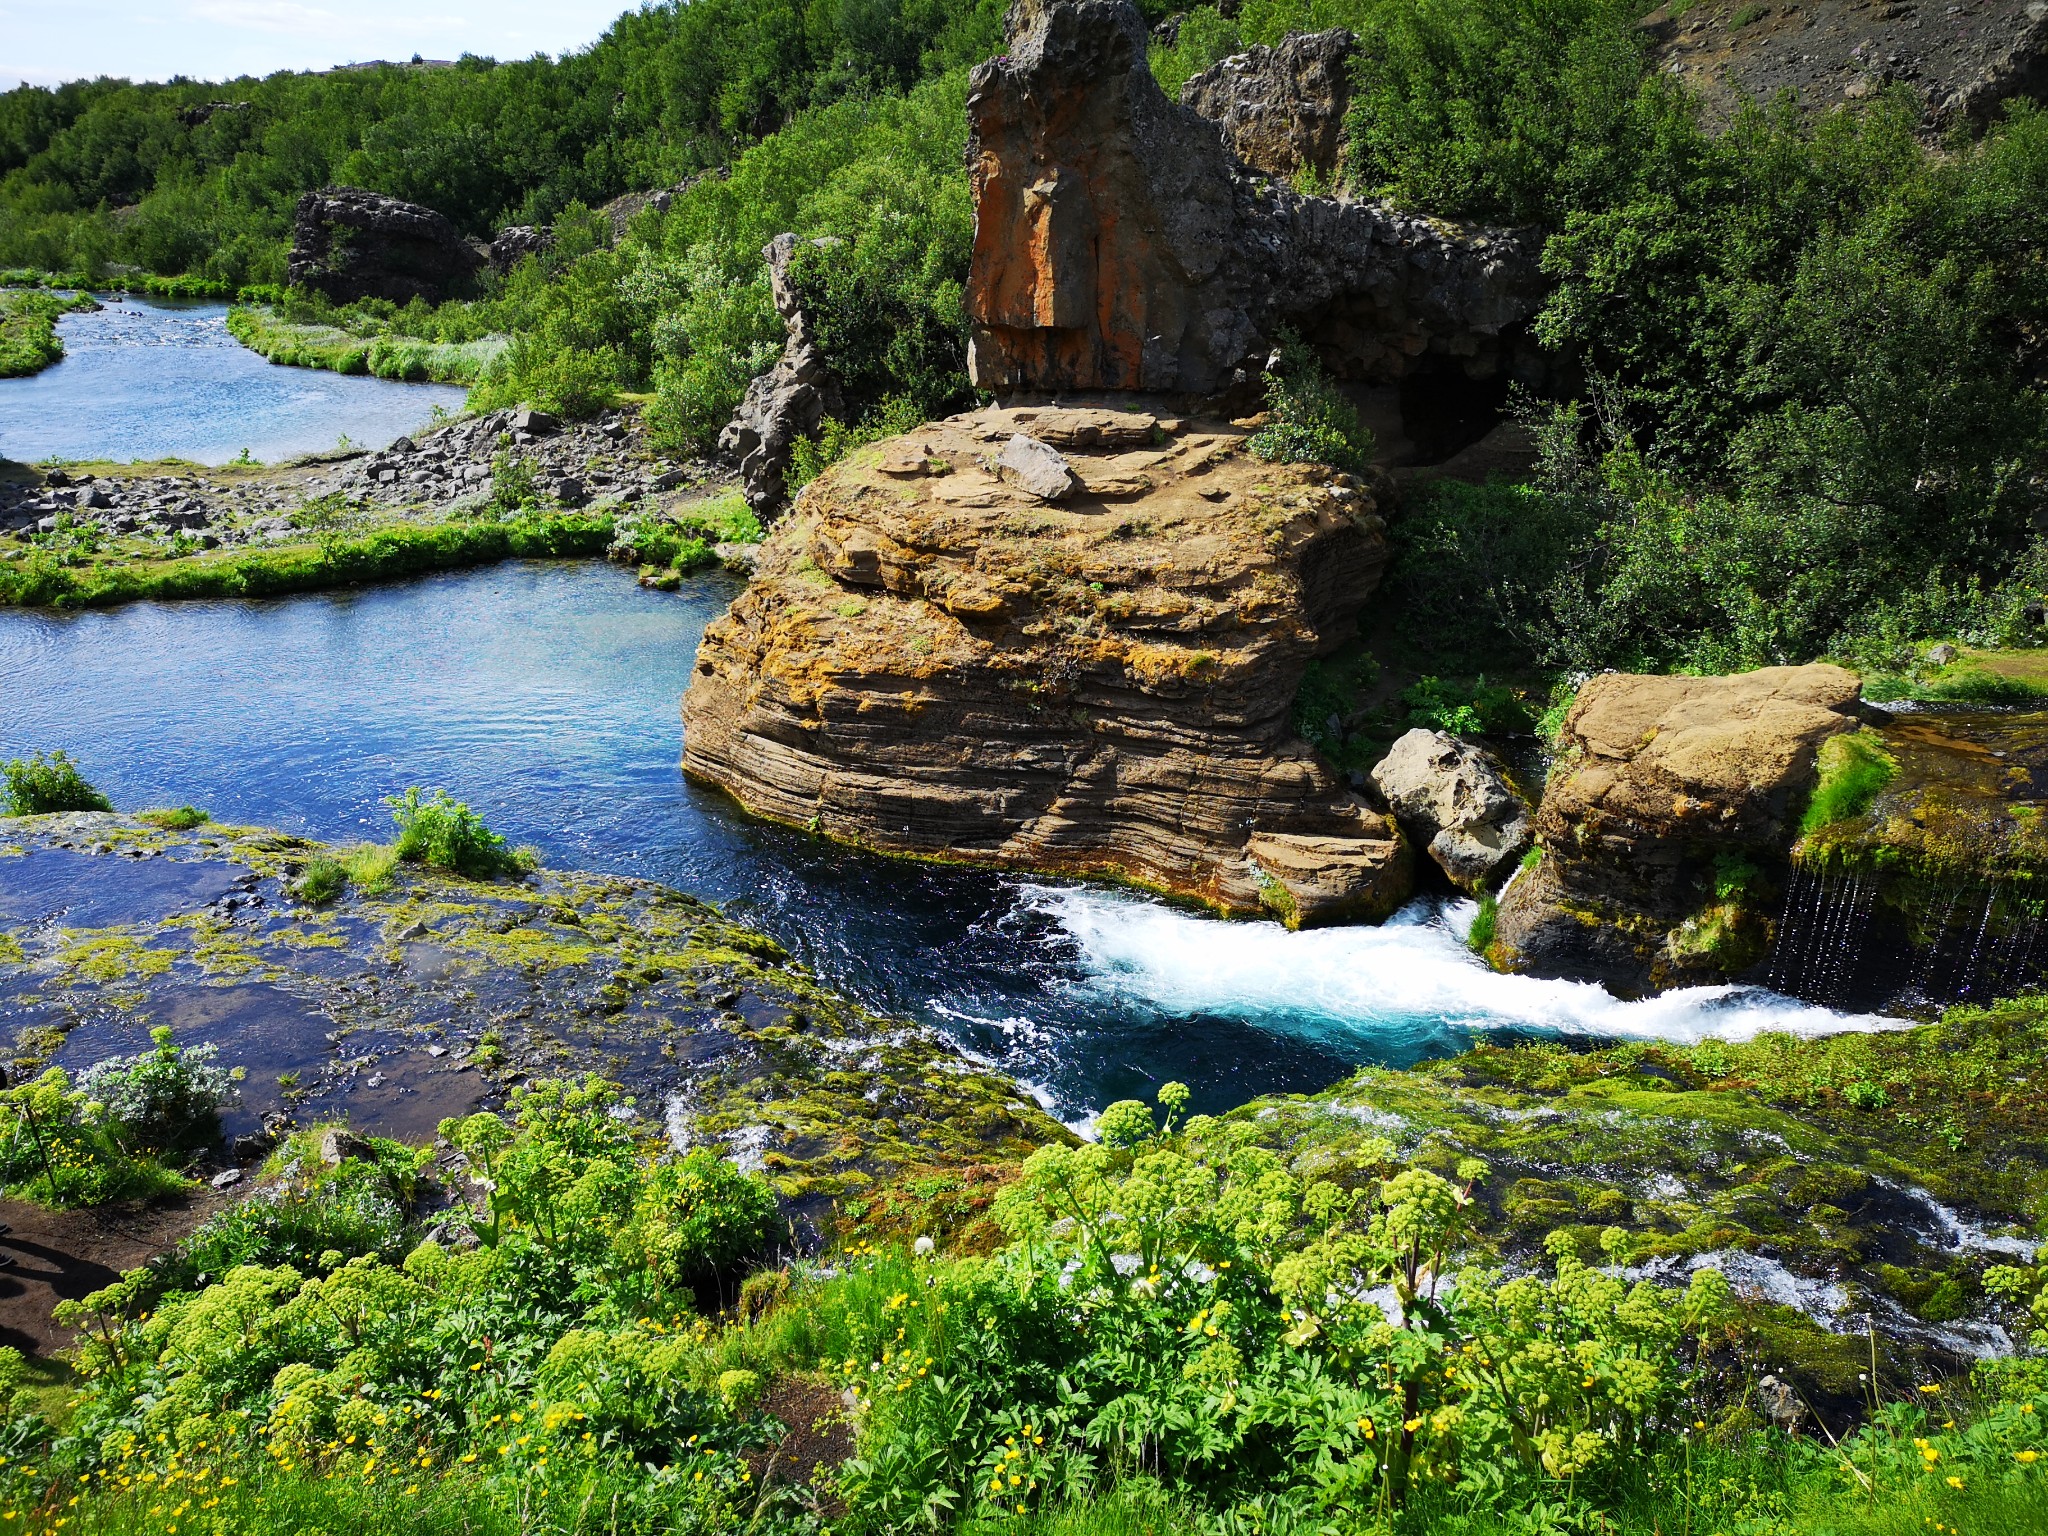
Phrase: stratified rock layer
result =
(933, 661)
(1662, 776)
(349, 244)
(1117, 245)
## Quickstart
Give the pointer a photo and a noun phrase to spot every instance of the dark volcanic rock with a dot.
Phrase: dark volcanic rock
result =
(1117, 245)
(350, 244)
(935, 661)
(516, 242)
(788, 402)
(1963, 60)
(1282, 108)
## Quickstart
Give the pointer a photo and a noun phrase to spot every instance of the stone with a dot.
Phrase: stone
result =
(227, 1178)
(741, 559)
(538, 423)
(1661, 777)
(788, 402)
(337, 1146)
(1118, 245)
(1941, 655)
(569, 491)
(1454, 800)
(348, 244)
(1036, 468)
(516, 242)
(952, 667)
(1281, 109)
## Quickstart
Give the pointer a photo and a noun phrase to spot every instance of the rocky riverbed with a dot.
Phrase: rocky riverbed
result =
(395, 1007)
(172, 508)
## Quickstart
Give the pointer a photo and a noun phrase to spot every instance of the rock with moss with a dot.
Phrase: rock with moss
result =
(406, 994)
(1668, 823)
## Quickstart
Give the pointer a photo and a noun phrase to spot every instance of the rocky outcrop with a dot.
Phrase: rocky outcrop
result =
(1661, 778)
(1281, 108)
(515, 242)
(933, 661)
(348, 244)
(1964, 62)
(788, 402)
(1117, 245)
(1453, 799)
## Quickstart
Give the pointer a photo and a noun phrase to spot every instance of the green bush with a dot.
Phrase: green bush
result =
(1312, 421)
(443, 833)
(40, 785)
(165, 1099)
(63, 1148)
(182, 818)
(1479, 708)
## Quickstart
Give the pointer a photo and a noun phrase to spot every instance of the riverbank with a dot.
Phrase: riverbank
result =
(506, 485)
(385, 355)
(28, 329)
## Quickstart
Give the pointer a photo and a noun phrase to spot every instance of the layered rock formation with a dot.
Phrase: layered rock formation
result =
(1964, 61)
(350, 244)
(788, 402)
(1118, 245)
(934, 660)
(1281, 108)
(1661, 778)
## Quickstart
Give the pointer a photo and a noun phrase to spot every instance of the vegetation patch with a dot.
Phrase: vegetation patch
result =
(1852, 769)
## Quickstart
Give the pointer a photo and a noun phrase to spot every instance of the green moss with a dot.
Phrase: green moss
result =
(1853, 768)
(112, 956)
(11, 951)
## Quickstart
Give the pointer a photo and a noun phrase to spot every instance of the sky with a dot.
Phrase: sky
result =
(44, 42)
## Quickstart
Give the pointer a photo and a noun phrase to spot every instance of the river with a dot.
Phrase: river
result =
(546, 695)
(147, 379)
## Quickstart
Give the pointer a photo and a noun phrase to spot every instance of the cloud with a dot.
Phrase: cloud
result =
(283, 17)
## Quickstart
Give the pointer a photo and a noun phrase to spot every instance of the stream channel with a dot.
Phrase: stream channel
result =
(150, 379)
(546, 694)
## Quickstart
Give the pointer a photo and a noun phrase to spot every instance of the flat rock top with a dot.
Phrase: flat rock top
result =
(1830, 53)
(1166, 509)
(1720, 736)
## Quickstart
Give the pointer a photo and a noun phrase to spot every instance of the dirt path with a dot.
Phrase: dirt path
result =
(62, 1255)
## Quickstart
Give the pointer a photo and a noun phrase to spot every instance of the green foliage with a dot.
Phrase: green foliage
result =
(443, 833)
(39, 785)
(1853, 768)
(165, 1099)
(359, 340)
(321, 881)
(1479, 937)
(1205, 36)
(28, 329)
(1312, 421)
(63, 1147)
(1477, 708)
(182, 818)
(813, 456)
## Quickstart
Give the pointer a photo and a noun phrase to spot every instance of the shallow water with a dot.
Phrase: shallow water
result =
(143, 379)
(547, 695)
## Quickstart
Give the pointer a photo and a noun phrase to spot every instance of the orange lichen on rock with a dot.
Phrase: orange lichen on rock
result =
(943, 664)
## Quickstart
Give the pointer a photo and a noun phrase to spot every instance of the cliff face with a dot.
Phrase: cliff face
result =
(1117, 245)
(350, 244)
(932, 659)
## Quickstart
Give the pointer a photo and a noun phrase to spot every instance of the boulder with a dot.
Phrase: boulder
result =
(1036, 468)
(788, 402)
(1453, 799)
(933, 661)
(350, 244)
(1663, 782)
(1281, 109)
(516, 242)
(1118, 245)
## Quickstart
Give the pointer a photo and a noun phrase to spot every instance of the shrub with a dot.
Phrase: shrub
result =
(321, 881)
(42, 784)
(1479, 708)
(181, 818)
(700, 1217)
(443, 833)
(1312, 422)
(515, 485)
(162, 1099)
(61, 1149)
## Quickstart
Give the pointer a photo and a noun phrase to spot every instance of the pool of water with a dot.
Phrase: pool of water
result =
(144, 379)
(547, 696)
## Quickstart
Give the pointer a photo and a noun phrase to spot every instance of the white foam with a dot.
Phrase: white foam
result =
(1412, 975)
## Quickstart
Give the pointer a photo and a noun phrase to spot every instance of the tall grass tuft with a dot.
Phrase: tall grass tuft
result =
(1853, 768)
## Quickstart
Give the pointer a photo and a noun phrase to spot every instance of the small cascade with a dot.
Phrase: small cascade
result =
(1978, 941)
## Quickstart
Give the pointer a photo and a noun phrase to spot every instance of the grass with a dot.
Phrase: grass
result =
(39, 580)
(370, 867)
(1853, 768)
(409, 358)
(323, 880)
(1481, 934)
(28, 330)
(181, 818)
